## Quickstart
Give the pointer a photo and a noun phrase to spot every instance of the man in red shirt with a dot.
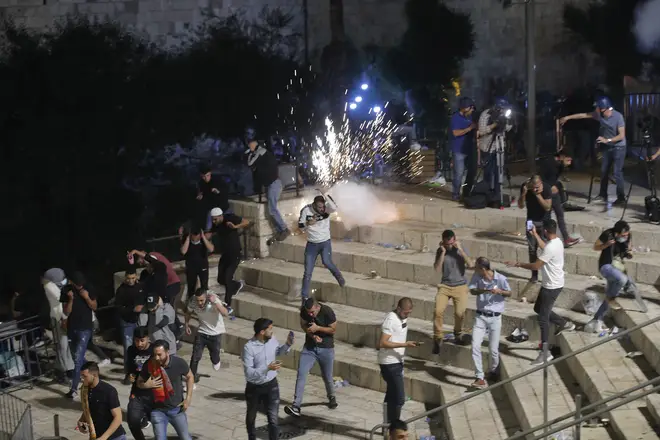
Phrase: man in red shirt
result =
(173, 280)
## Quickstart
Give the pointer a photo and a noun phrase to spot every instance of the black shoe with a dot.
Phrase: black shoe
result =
(460, 339)
(283, 235)
(71, 394)
(436, 346)
(619, 202)
(332, 404)
(292, 410)
(145, 423)
(197, 378)
(341, 282)
(600, 198)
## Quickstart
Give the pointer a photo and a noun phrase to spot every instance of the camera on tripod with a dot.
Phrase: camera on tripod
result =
(501, 117)
(645, 125)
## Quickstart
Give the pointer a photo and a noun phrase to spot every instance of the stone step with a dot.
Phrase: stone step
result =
(653, 406)
(647, 339)
(424, 381)
(606, 370)
(417, 267)
(499, 246)
(378, 294)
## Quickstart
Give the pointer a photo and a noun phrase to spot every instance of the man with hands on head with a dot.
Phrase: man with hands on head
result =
(451, 261)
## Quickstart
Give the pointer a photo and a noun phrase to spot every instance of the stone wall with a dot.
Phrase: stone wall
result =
(500, 33)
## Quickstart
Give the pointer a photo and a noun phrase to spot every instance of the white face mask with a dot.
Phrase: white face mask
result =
(622, 239)
(196, 242)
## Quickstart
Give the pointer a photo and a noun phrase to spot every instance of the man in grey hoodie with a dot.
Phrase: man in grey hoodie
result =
(53, 280)
(158, 316)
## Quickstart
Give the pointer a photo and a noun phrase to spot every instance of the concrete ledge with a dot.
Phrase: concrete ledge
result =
(653, 406)
(647, 339)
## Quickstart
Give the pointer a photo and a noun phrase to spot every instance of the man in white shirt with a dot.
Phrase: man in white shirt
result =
(209, 310)
(491, 288)
(391, 349)
(315, 220)
(551, 263)
(53, 281)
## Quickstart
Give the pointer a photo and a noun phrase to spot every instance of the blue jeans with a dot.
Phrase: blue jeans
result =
(616, 280)
(78, 340)
(160, 418)
(308, 358)
(127, 329)
(612, 157)
(273, 193)
(491, 325)
(459, 169)
(312, 250)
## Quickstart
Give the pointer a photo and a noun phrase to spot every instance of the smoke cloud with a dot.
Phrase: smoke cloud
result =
(647, 25)
(358, 205)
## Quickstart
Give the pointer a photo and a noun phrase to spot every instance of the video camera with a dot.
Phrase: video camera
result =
(646, 127)
(500, 114)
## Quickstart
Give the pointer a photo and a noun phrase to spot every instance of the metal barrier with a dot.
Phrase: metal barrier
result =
(23, 353)
(15, 418)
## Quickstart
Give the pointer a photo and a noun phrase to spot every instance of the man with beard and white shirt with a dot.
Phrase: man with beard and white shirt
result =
(315, 220)
(53, 281)
(391, 349)
(209, 311)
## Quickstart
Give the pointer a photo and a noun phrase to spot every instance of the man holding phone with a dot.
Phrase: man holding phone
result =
(319, 323)
(391, 349)
(537, 198)
(260, 366)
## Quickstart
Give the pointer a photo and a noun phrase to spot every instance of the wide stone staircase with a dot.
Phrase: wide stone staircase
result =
(384, 262)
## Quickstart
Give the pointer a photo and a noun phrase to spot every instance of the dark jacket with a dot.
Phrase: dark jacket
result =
(264, 168)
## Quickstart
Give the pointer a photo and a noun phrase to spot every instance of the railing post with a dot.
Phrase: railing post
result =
(578, 415)
(545, 388)
(56, 425)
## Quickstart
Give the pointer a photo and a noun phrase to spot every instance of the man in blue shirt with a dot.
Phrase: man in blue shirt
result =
(461, 141)
(491, 287)
(260, 366)
(612, 140)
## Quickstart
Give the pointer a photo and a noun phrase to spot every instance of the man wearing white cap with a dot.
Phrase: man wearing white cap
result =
(53, 281)
(228, 243)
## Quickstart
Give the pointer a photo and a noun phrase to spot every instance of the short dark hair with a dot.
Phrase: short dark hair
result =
(398, 424)
(550, 225)
(403, 302)
(261, 324)
(195, 230)
(77, 278)
(90, 366)
(161, 343)
(448, 234)
(140, 332)
(309, 303)
(131, 270)
(204, 169)
(200, 292)
(483, 263)
(318, 199)
(621, 226)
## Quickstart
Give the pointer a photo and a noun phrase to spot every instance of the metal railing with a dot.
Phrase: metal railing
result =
(23, 353)
(15, 418)
(545, 426)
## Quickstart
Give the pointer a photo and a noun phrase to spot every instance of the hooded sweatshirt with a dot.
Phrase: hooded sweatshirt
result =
(158, 321)
(264, 167)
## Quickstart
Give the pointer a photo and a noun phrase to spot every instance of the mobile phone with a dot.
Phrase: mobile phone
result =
(530, 225)
(419, 343)
(290, 335)
(277, 362)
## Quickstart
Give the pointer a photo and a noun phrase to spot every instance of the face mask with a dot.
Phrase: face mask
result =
(621, 239)
(196, 242)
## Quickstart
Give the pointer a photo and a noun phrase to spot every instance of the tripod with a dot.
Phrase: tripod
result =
(497, 148)
(650, 174)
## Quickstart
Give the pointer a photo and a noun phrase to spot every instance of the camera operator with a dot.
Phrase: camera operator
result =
(612, 139)
(492, 122)
(461, 140)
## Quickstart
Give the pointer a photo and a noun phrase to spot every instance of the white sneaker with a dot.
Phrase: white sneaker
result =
(216, 367)
(105, 363)
(594, 326)
(540, 360)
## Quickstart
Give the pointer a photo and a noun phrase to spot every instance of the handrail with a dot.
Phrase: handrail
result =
(521, 375)
(654, 383)
(578, 421)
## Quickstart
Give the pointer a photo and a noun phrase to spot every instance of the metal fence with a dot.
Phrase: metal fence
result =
(25, 354)
(15, 418)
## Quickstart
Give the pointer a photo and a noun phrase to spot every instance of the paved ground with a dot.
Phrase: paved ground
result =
(218, 409)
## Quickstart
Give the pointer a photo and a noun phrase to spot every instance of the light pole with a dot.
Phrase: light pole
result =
(530, 30)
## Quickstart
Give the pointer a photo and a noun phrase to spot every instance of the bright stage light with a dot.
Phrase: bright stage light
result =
(507, 113)
(364, 86)
(358, 99)
(377, 109)
(352, 106)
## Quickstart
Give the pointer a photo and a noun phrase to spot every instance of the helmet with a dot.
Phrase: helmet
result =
(502, 102)
(603, 103)
(465, 102)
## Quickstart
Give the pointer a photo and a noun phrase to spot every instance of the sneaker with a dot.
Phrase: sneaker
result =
(614, 305)
(216, 367)
(540, 361)
(73, 395)
(105, 363)
(146, 424)
(197, 378)
(571, 242)
(292, 410)
(568, 327)
(534, 279)
(479, 384)
(632, 288)
(283, 235)
(341, 282)
(242, 284)
(619, 202)
(436, 346)
(332, 404)
(230, 311)
(460, 339)
(600, 198)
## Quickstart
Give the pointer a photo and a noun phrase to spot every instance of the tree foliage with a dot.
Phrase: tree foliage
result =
(430, 54)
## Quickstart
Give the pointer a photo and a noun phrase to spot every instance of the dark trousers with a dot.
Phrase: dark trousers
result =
(471, 165)
(192, 274)
(213, 343)
(137, 410)
(558, 208)
(395, 396)
(267, 395)
(533, 245)
(226, 268)
(171, 292)
(543, 308)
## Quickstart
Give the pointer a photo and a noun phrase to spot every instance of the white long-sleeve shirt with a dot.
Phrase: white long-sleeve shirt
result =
(53, 293)
(319, 231)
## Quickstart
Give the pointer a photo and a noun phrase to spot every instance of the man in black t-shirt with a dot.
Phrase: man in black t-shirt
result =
(211, 192)
(615, 246)
(139, 405)
(319, 323)
(104, 408)
(537, 197)
(228, 243)
(79, 306)
(129, 300)
(163, 375)
(196, 248)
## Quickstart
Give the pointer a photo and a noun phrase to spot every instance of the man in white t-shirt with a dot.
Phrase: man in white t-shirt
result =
(391, 349)
(209, 311)
(551, 263)
(53, 281)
